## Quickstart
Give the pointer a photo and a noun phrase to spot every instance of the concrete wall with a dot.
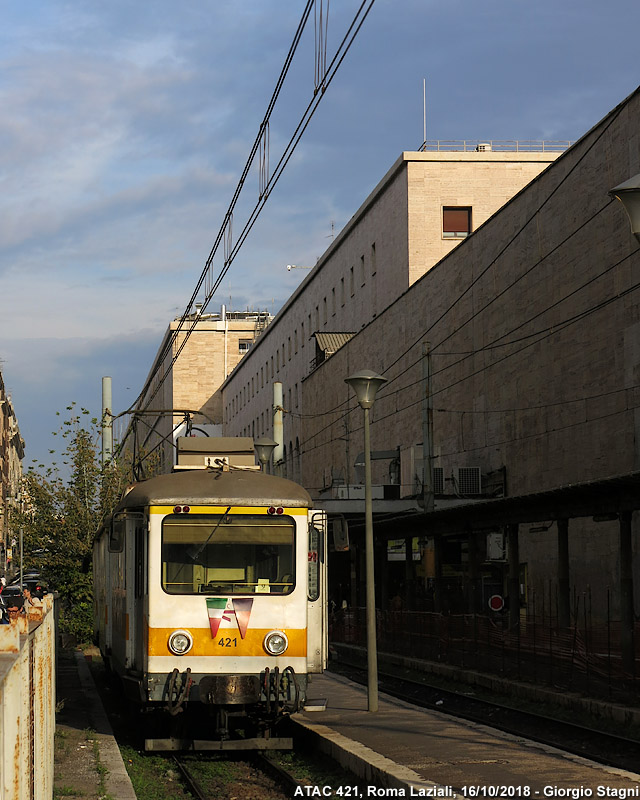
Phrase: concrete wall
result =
(394, 238)
(533, 324)
(212, 351)
(27, 704)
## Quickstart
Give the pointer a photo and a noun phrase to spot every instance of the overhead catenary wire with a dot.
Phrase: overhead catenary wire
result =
(331, 71)
(267, 185)
(271, 183)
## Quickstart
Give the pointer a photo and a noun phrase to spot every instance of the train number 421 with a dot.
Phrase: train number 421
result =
(227, 642)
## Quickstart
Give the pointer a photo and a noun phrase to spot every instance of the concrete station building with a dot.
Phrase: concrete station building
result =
(186, 393)
(531, 327)
(426, 204)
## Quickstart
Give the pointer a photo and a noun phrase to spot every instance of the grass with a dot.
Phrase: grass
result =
(153, 777)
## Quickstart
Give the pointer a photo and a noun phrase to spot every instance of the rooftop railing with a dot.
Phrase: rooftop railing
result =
(494, 145)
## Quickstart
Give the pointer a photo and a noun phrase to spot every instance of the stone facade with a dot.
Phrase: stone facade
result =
(213, 349)
(533, 326)
(394, 238)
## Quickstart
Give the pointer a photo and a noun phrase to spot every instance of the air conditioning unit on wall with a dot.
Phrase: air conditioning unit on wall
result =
(468, 480)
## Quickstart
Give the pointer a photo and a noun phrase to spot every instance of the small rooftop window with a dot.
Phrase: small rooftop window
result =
(456, 222)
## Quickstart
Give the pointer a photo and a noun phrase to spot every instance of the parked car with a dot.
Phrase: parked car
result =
(12, 596)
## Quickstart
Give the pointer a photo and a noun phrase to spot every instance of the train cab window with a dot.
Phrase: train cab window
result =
(228, 554)
(117, 533)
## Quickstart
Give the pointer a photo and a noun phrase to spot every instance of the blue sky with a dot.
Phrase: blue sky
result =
(125, 127)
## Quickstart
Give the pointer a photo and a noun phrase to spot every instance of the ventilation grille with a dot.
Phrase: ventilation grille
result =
(438, 480)
(468, 480)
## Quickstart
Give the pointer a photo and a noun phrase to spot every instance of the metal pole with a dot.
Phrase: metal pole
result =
(107, 421)
(626, 594)
(424, 109)
(427, 430)
(278, 428)
(564, 609)
(372, 654)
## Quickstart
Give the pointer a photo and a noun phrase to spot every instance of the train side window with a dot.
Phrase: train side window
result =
(117, 533)
(314, 560)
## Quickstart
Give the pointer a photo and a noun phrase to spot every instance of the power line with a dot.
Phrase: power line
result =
(266, 183)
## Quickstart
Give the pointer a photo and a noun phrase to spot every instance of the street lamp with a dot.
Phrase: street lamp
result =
(264, 448)
(365, 384)
(628, 193)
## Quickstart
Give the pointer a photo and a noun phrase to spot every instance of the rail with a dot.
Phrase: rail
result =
(494, 145)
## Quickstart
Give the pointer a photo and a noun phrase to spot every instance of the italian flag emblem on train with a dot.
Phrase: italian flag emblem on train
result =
(217, 610)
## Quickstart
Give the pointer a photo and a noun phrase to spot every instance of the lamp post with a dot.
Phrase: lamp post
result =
(628, 193)
(264, 448)
(365, 384)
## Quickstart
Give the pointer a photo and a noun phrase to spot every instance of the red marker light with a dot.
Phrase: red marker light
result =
(271, 510)
(177, 509)
(279, 510)
(186, 509)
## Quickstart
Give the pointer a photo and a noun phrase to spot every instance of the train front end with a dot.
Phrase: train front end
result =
(224, 606)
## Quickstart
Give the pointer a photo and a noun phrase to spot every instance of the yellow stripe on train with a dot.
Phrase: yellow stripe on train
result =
(292, 512)
(227, 642)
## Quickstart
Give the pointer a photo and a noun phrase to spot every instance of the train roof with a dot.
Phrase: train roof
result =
(215, 487)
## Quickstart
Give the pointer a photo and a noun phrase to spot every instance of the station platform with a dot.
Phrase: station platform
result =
(88, 763)
(417, 752)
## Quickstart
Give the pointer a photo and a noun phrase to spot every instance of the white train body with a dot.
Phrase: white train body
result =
(210, 592)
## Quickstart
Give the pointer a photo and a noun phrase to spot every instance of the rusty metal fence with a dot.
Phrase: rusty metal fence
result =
(27, 704)
(584, 657)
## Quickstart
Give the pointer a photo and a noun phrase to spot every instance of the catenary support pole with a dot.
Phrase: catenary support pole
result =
(564, 603)
(626, 594)
(514, 576)
(107, 421)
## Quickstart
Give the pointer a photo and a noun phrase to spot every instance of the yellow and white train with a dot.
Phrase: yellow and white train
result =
(210, 603)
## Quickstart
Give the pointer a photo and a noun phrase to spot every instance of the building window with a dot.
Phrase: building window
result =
(341, 291)
(374, 266)
(243, 345)
(295, 341)
(289, 347)
(362, 275)
(302, 334)
(324, 311)
(456, 222)
(333, 302)
(352, 286)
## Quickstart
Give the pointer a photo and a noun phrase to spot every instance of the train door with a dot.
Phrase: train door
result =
(317, 620)
(135, 589)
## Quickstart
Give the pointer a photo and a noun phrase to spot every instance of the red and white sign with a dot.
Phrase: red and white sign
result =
(496, 602)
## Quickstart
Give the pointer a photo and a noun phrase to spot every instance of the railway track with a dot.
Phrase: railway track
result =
(596, 745)
(257, 777)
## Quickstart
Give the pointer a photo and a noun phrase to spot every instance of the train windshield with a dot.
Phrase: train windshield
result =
(228, 554)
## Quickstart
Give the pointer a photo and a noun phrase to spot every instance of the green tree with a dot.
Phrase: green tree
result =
(61, 515)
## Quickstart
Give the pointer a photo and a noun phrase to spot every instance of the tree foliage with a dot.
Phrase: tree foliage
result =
(61, 515)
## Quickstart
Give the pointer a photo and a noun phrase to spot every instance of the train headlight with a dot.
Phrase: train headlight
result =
(180, 642)
(275, 643)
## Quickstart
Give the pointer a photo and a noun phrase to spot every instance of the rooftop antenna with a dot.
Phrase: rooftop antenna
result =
(424, 111)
